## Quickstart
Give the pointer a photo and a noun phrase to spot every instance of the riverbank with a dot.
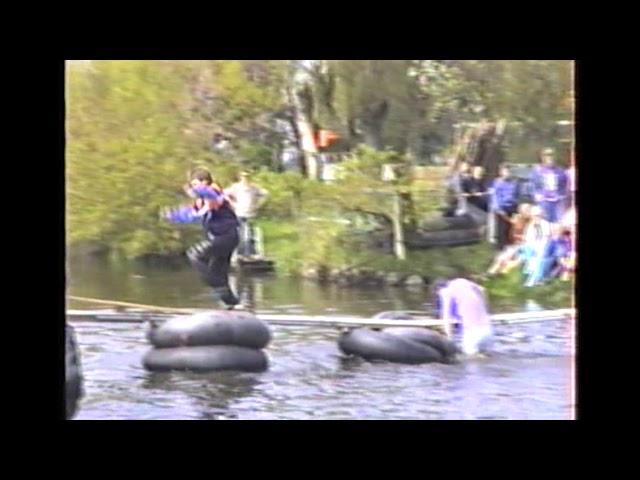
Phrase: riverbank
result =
(300, 253)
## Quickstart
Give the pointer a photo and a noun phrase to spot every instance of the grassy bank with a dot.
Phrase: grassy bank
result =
(297, 246)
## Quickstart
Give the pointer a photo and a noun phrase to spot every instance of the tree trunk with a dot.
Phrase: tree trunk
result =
(372, 121)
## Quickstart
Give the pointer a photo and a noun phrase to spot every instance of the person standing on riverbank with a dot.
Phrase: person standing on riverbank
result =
(551, 187)
(474, 187)
(462, 305)
(211, 257)
(246, 199)
(504, 202)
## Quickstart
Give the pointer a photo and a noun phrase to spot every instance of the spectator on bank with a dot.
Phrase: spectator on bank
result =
(246, 198)
(536, 239)
(550, 187)
(454, 187)
(474, 187)
(558, 252)
(511, 256)
(504, 202)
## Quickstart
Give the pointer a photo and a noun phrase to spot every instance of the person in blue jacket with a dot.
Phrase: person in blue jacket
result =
(550, 187)
(504, 203)
(211, 257)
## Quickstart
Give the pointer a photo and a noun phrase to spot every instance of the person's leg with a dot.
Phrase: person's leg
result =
(536, 270)
(503, 232)
(486, 342)
(222, 249)
(559, 210)
(244, 244)
(199, 256)
(212, 259)
(251, 237)
(550, 210)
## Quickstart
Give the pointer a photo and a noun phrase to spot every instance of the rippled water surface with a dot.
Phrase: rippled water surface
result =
(528, 376)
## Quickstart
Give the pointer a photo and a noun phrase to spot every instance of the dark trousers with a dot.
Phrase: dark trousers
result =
(212, 258)
(503, 228)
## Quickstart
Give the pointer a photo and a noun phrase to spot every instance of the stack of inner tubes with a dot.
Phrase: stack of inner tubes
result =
(410, 345)
(211, 341)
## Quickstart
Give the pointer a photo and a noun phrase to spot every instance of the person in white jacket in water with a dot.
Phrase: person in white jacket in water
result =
(462, 305)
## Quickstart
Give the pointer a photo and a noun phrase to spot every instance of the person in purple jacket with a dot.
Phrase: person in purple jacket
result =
(211, 257)
(550, 187)
(504, 203)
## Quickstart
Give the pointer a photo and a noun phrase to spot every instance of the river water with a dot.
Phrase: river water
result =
(528, 376)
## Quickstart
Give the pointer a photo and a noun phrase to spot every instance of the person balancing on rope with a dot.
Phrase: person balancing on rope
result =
(212, 256)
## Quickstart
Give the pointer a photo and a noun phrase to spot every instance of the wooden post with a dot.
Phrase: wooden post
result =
(398, 229)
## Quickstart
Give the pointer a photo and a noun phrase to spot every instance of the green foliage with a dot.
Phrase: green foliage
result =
(135, 129)
(427, 97)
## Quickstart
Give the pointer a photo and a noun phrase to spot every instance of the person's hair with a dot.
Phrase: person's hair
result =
(202, 174)
(523, 207)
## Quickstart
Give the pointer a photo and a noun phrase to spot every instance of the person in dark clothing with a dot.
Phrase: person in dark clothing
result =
(212, 256)
(474, 187)
(504, 202)
(454, 188)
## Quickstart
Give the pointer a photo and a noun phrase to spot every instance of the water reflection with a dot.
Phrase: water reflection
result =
(212, 393)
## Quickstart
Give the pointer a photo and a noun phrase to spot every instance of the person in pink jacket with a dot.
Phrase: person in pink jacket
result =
(462, 305)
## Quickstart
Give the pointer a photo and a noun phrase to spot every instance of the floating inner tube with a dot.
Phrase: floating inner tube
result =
(73, 373)
(241, 329)
(387, 344)
(425, 336)
(379, 345)
(206, 359)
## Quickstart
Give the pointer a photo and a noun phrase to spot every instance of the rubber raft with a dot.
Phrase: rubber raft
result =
(211, 341)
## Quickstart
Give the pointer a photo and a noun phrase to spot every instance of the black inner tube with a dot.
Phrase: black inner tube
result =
(379, 345)
(206, 359)
(241, 329)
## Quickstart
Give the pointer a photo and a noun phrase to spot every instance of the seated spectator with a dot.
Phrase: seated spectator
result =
(511, 256)
(536, 239)
(568, 265)
(558, 252)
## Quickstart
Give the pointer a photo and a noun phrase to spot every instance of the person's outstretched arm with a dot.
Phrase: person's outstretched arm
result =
(184, 214)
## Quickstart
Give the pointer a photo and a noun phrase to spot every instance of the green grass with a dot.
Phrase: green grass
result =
(297, 245)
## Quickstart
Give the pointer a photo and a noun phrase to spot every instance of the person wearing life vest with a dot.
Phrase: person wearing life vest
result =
(212, 256)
